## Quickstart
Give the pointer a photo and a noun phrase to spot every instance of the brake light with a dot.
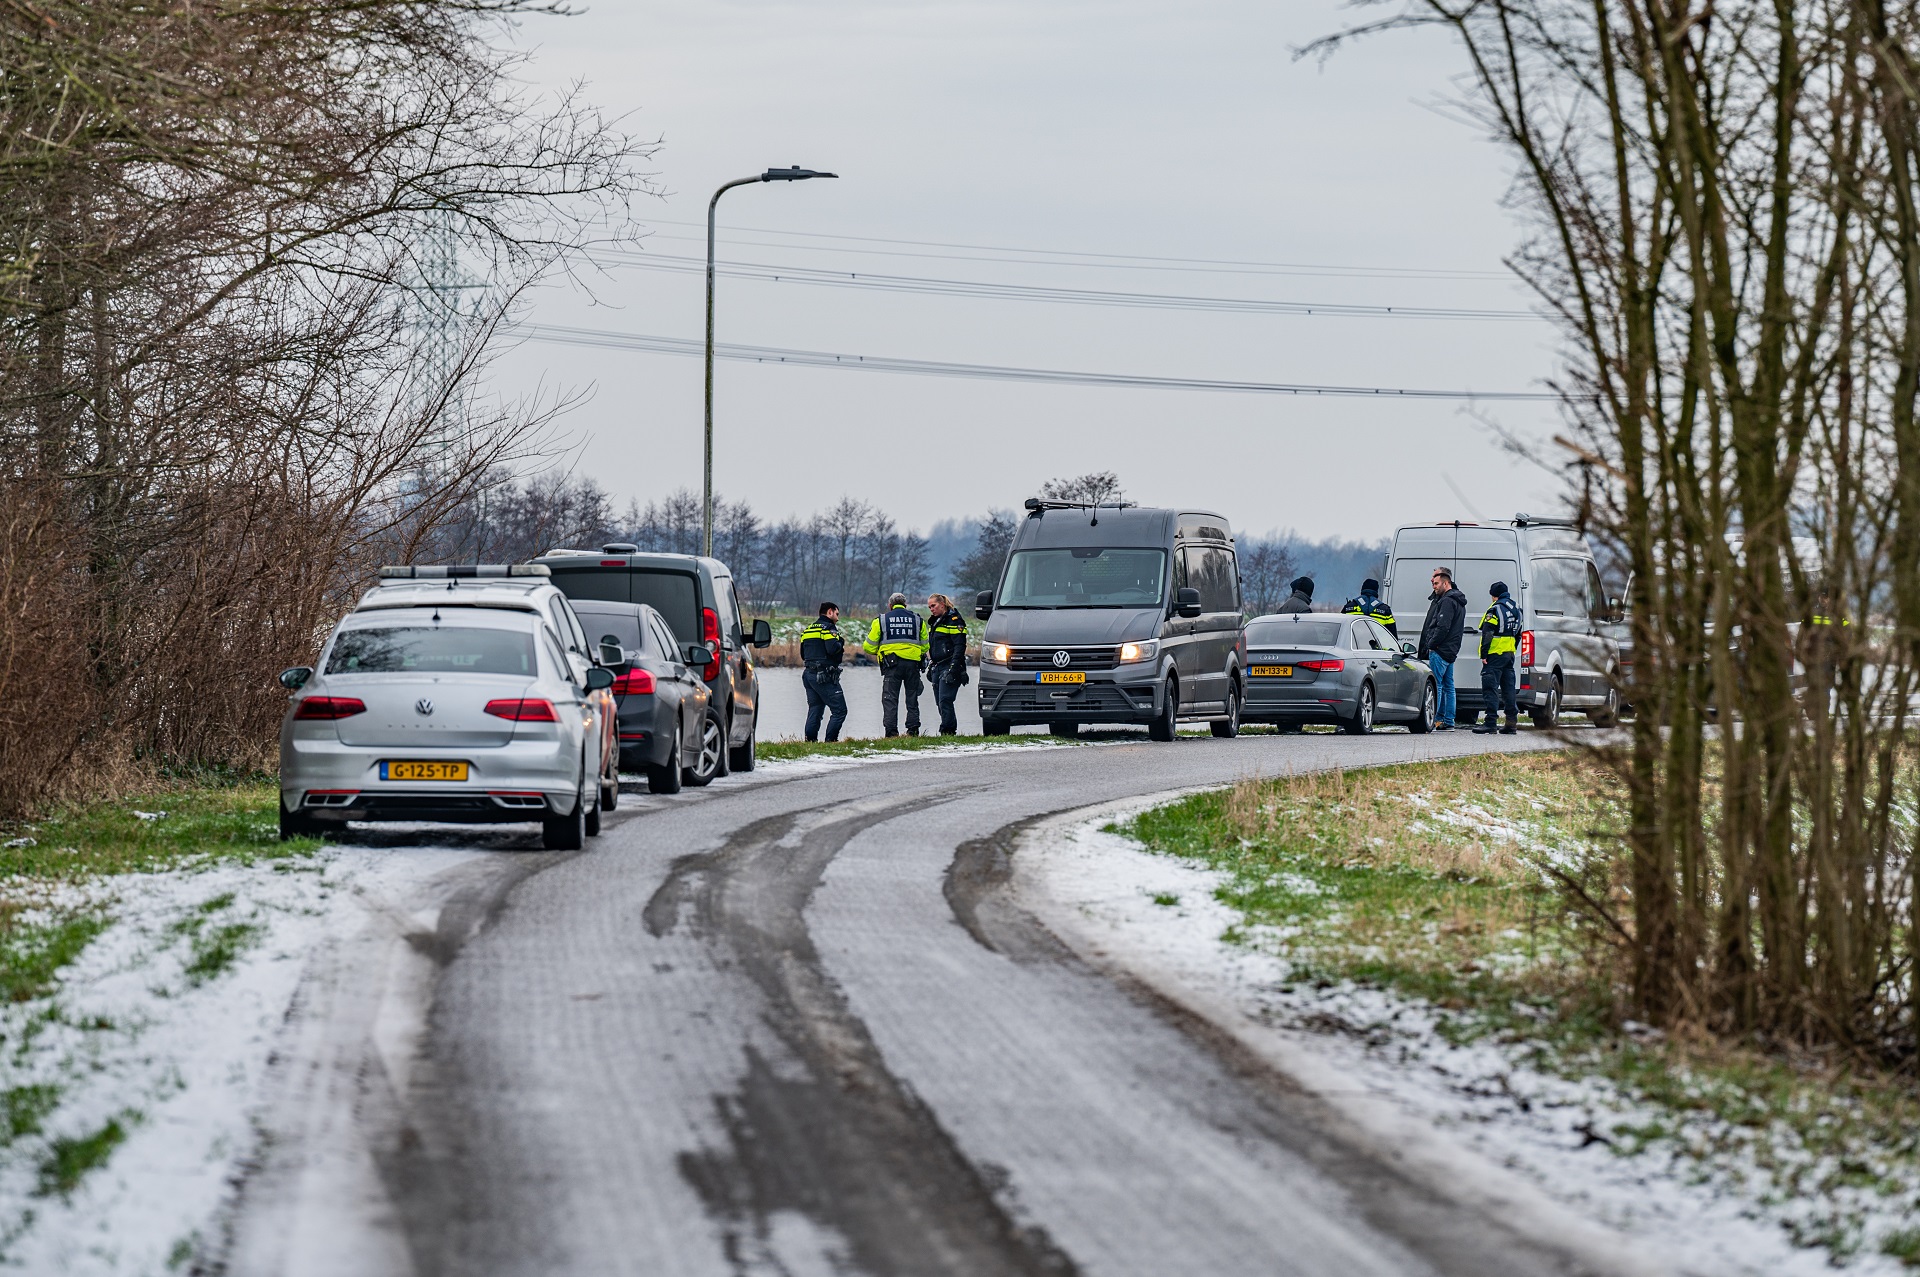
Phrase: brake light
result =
(635, 682)
(524, 710)
(1526, 647)
(1325, 667)
(330, 707)
(710, 635)
(613, 563)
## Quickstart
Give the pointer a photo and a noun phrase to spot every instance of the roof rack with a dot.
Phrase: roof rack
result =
(1037, 504)
(445, 571)
(1530, 520)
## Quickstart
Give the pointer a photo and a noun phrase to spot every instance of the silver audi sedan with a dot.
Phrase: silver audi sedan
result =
(443, 712)
(1321, 668)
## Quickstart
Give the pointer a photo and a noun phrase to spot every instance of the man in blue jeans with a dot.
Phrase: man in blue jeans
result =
(1440, 636)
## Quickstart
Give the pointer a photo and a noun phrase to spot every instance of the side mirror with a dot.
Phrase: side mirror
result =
(1407, 648)
(699, 654)
(1187, 603)
(762, 634)
(296, 678)
(983, 605)
(599, 678)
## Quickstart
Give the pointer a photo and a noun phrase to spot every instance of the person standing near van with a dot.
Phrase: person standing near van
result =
(1499, 645)
(821, 650)
(1371, 604)
(1301, 600)
(898, 638)
(1440, 636)
(946, 658)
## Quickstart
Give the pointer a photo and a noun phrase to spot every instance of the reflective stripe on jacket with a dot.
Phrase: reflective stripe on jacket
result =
(947, 639)
(1500, 628)
(821, 644)
(897, 632)
(1374, 607)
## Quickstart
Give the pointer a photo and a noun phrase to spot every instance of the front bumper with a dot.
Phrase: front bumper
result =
(1123, 695)
(519, 781)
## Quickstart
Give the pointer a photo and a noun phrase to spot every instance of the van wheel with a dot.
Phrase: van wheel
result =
(742, 757)
(1230, 725)
(1423, 723)
(995, 727)
(1161, 728)
(665, 778)
(1607, 715)
(1065, 729)
(1548, 715)
(1361, 724)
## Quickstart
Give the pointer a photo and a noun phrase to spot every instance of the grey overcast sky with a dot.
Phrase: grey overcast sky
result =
(1158, 130)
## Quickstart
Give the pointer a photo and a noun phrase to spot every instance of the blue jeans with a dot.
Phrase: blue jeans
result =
(1442, 686)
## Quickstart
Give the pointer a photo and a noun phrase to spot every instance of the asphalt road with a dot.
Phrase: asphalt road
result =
(785, 1025)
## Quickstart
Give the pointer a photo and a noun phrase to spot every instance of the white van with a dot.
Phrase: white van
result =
(1568, 660)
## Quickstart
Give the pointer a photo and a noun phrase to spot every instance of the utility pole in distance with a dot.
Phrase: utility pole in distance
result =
(794, 174)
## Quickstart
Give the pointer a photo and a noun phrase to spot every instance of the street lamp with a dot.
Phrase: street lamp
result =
(794, 174)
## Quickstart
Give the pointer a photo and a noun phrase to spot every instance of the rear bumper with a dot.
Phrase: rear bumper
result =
(520, 781)
(1281, 700)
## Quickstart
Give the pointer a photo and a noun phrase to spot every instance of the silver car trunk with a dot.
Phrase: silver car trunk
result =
(427, 711)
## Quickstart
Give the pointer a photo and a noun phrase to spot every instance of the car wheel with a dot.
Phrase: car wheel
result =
(1423, 723)
(1230, 725)
(723, 761)
(1161, 728)
(593, 816)
(1361, 724)
(995, 726)
(742, 757)
(297, 824)
(569, 832)
(713, 751)
(664, 778)
(1065, 729)
(1548, 715)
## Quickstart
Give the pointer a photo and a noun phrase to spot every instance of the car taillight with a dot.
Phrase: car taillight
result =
(330, 707)
(710, 635)
(635, 682)
(1325, 667)
(1526, 647)
(524, 710)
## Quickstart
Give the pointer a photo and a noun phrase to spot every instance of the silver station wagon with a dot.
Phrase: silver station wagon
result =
(460, 701)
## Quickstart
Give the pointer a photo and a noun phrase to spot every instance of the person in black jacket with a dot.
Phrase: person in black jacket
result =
(821, 648)
(1440, 636)
(1301, 600)
(946, 658)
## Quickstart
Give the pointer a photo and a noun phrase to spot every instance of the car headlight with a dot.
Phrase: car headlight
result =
(1130, 652)
(996, 654)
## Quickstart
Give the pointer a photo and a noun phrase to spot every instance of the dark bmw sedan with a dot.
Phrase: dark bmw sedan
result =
(668, 728)
(1319, 668)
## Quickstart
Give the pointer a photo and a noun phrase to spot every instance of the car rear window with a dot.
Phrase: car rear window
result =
(1307, 632)
(672, 594)
(624, 625)
(440, 649)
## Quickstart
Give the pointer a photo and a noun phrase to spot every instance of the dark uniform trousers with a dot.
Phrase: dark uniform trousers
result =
(823, 694)
(1499, 688)
(896, 673)
(946, 687)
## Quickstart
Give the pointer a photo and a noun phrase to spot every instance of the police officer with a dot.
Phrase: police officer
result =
(821, 648)
(898, 638)
(1371, 604)
(947, 658)
(1499, 642)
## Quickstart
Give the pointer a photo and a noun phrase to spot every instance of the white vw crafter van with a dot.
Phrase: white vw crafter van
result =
(1568, 660)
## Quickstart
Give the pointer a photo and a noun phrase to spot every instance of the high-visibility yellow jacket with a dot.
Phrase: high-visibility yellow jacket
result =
(897, 632)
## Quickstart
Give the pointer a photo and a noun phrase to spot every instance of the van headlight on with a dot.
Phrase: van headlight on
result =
(996, 653)
(1131, 652)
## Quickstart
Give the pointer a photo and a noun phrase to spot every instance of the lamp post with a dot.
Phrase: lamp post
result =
(794, 174)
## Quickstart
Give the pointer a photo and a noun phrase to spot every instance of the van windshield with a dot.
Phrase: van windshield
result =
(1094, 577)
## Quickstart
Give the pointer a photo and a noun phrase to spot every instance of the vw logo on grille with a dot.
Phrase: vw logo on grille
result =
(423, 706)
(1061, 659)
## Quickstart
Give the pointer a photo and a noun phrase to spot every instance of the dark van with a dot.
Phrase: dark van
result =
(696, 598)
(1113, 614)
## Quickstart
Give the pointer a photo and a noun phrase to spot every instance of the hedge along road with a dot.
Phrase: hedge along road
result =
(784, 1026)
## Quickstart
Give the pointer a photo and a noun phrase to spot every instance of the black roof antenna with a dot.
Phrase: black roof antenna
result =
(436, 613)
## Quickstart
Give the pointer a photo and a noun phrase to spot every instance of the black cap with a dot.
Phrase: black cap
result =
(1303, 585)
(1369, 586)
(1499, 588)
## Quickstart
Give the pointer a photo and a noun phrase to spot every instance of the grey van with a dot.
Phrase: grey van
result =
(696, 598)
(1568, 658)
(1113, 614)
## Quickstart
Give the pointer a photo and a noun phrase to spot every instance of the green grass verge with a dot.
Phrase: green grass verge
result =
(69, 1159)
(1444, 882)
(218, 821)
(789, 749)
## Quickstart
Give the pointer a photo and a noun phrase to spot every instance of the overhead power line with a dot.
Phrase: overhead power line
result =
(1115, 261)
(990, 372)
(770, 273)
